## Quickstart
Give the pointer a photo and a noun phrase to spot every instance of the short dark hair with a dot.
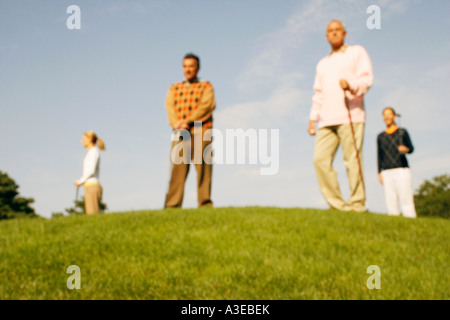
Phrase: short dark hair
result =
(192, 56)
(389, 108)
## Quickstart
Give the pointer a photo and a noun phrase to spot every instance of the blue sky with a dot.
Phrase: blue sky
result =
(112, 76)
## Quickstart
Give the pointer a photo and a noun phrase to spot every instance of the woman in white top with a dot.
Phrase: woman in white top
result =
(91, 167)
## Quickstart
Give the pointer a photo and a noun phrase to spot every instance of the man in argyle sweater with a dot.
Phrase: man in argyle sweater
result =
(190, 105)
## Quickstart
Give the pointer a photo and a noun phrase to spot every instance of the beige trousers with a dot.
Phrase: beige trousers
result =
(92, 198)
(195, 147)
(327, 142)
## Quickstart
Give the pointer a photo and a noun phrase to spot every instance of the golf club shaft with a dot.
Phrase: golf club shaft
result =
(76, 195)
(356, 149)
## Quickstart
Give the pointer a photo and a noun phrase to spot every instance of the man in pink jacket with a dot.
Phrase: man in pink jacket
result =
(342, 78)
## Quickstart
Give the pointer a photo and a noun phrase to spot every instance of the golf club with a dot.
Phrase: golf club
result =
(400, 137)
(76, 195)
(356, 149)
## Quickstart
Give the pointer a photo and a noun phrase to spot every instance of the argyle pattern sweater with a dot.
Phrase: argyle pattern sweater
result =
(190, 101)
(388, 155)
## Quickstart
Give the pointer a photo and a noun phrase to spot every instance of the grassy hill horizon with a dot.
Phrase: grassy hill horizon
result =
(229, 253)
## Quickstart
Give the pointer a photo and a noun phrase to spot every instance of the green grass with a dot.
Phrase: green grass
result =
(225, 253)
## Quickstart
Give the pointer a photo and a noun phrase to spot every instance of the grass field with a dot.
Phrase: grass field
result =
(226, 253)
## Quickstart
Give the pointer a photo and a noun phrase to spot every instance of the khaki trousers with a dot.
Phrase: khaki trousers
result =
(327, 142)
(190, 148)
(92, 198)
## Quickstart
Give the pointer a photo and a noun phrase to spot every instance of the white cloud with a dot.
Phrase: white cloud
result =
(270, 113)
(269, 66)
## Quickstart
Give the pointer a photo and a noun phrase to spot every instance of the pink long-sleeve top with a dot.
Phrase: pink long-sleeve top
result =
(353, 64)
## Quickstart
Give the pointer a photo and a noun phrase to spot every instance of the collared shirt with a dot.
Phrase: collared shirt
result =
(329, 105)
(343, 48)
(195, 80)
(391, 130)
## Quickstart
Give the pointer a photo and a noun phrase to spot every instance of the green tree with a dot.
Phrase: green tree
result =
(11, 205)
(79, 208)
(433, 197)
